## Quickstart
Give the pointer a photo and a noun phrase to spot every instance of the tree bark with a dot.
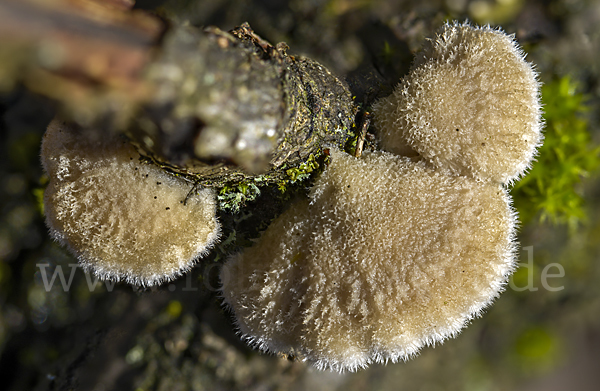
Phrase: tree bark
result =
(226, 110)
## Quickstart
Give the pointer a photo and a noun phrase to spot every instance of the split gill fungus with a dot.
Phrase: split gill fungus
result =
(124, 220)
(398, 250)
(392, 251)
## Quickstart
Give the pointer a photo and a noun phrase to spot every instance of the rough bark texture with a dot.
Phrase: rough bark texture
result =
(231, 108)
(221, 109)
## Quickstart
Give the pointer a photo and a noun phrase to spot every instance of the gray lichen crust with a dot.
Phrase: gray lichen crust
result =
(470, 106)
(386, 257)
(123, 219)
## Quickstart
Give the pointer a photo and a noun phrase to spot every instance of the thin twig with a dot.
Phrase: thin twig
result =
(363, 133)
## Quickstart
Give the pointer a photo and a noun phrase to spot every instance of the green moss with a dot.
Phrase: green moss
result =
(303, 170)
(233, 196)
(350, 146)
(551, 191)
(313, 165)
(38, 194)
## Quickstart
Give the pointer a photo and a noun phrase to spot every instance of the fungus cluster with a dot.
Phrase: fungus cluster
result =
(123, 219)
(397, 250)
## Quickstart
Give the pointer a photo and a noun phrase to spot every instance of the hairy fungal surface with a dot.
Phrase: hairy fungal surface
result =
(386, 257)
(123, 219)
(470, 106)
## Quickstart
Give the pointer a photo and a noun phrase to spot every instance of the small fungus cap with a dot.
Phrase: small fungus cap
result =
(123, 219)
(386, 257)
(470, 105)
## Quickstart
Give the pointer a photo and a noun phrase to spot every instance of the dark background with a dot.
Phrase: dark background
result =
(177, 337)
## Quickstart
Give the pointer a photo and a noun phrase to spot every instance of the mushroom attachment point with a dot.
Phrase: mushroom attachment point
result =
(387, 256)
(470, 106)
(123, 219)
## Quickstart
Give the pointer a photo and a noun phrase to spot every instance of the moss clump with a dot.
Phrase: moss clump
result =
(304, 170)
(235, 195)
(232, 197)
(552, 189)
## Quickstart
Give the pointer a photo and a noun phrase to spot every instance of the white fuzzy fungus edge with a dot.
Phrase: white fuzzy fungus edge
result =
(123, 220)
(470, 105)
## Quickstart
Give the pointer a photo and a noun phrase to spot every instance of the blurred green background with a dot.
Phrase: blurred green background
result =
(542, 334)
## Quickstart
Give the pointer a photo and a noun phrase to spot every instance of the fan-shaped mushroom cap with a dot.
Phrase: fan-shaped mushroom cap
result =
(387, 257)
(124, 220)
(470, 105)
